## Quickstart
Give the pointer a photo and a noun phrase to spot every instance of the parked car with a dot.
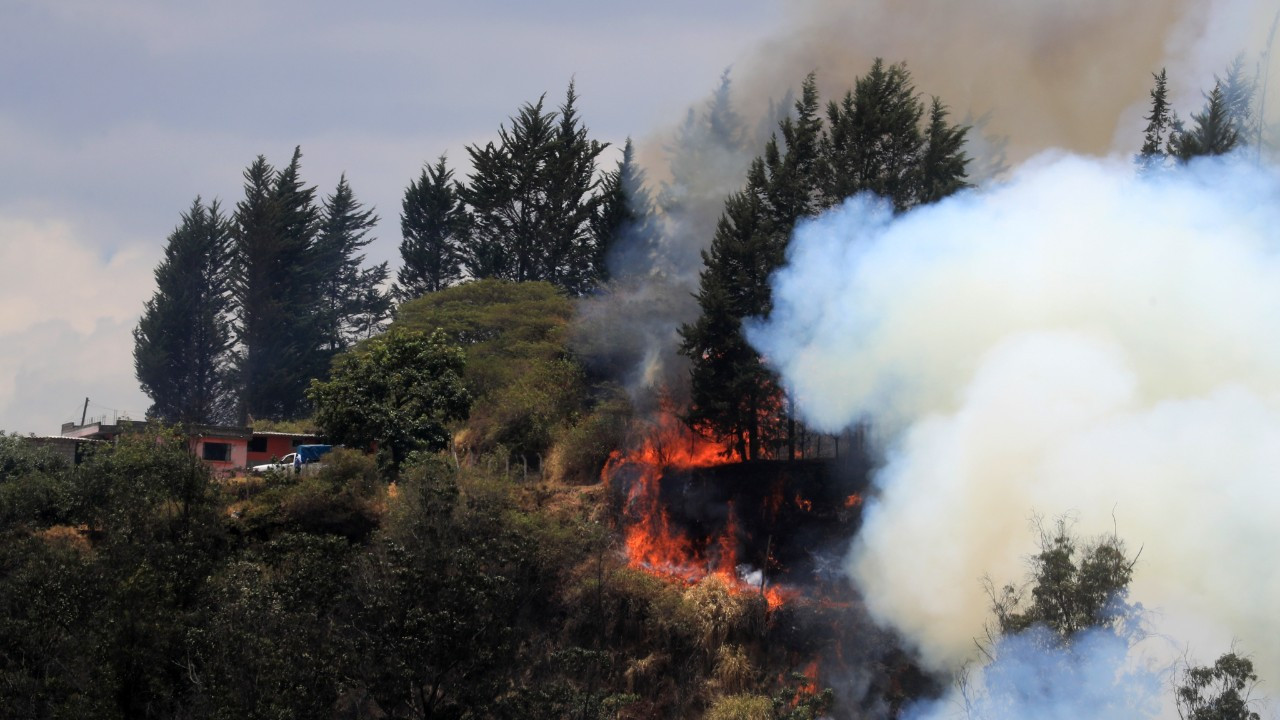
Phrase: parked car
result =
(285, 463)
(311, 455)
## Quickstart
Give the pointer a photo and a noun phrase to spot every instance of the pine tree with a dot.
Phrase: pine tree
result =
(532, 197)
(569, 257)
(732, 392)
(944, 164)
(794, 171)
(1238, 90)
(708, 147)
(874, 141)
(351, 301)
(433, 223)
(1160, 127)
(874, 144)
(625, 226)
(507, 194)
(182, 344)
(276, 281)
(1214, 130)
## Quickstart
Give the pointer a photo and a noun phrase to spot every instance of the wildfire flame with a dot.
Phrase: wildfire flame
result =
(653, 544)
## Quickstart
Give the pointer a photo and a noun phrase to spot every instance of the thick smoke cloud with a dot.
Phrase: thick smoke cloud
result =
(1075, 341)
(1070, 75)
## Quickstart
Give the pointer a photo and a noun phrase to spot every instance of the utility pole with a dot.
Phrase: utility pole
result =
(84, 411)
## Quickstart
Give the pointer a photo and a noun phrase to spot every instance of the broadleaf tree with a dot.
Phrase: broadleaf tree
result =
(399, 391)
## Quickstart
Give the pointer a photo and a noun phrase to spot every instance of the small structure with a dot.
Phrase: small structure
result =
(222, 447)
(72, 449)
(268, 445)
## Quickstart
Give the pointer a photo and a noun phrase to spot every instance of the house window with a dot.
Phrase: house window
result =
(217, 452)
(258, 444)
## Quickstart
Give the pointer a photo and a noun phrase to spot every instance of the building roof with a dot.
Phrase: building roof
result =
(277, 433)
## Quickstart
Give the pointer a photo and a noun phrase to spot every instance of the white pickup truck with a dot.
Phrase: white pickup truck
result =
(286, 463)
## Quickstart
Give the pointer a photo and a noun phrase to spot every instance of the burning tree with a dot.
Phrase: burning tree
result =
(875, 142)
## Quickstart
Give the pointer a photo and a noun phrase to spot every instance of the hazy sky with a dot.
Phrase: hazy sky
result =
(115, 115)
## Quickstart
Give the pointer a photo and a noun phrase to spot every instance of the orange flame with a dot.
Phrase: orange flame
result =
(810, 687)
(653, 544)
(853, 501)
(805, 505)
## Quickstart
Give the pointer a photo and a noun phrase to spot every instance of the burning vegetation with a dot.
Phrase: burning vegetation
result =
(766, 538)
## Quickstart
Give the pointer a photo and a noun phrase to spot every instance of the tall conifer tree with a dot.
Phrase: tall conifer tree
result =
(182, 344)
(532, 198)
(943, 165)
(433, 224)
(1160, 128)
(570, 253)
(731, 389)
(351, 300)
(276, 286)
(1213, 131)
(507, 196)
(625, 226)
(874, 143)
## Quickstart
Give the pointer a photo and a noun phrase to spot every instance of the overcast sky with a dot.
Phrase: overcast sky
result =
(115, 115)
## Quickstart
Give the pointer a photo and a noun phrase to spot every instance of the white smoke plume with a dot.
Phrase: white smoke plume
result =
(1077, 340)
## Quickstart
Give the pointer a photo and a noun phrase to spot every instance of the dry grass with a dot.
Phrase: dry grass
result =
(733, 672)
(69, 536)
(741, 707)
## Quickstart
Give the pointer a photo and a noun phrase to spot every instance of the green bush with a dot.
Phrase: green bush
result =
(343, 498)
(581, 450)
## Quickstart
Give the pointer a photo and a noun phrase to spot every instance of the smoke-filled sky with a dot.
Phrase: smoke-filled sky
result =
(114, 115)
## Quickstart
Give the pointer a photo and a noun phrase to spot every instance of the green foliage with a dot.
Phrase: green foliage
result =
(275, 287)
(34, 488)
(434, 225)
(532, 200)
(514, 337)
(343, 498)
(1213, 132)
(1160, 127)
(144, 486)
(351, 304)
(625, 227)
(439, 595)
(873, 141)
(48, 593)
(1071, 588)
(269, 642)
(300, 293)
(182, 344)
(399, 390)
(1217, 692)
(306, 426)
(525, 415)
(580, 450)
